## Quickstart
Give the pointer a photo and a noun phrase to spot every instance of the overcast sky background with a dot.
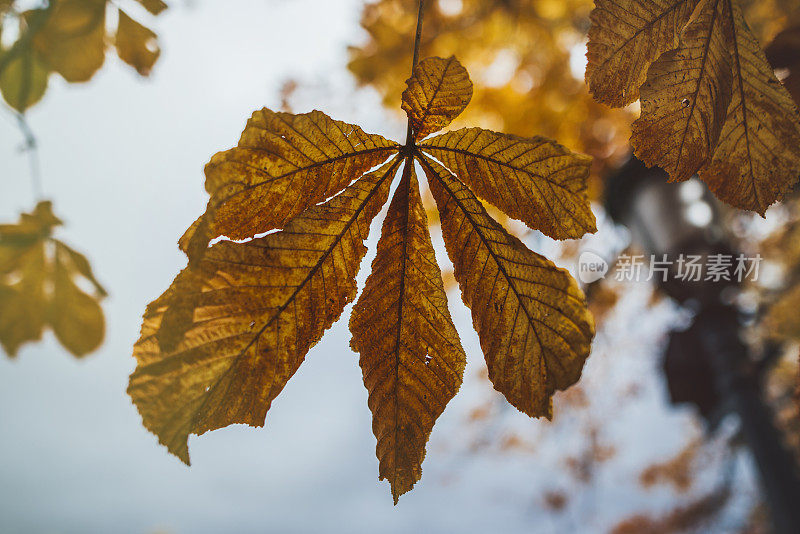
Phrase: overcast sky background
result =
(122, 159)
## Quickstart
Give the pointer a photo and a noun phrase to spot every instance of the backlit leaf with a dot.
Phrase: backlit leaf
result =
(220, 344)
(530, 315)
(532, 179)
(223, 340)
(437, 93)
(411, 356)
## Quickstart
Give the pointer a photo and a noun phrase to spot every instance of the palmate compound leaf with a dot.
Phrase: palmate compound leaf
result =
(223, 340)
(711, 103)
(38, 287)
(411, 356)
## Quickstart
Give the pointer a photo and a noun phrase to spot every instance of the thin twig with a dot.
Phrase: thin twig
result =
(31, 146)
(418, 35)
(417, 39)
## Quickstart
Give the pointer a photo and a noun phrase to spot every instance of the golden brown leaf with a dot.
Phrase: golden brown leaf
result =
(530, 315)
(532, 179)
(437, 93)
(411, 356)
(283, 164)
(686, 95)
(37, 287)
(136, 45)
(72, 40)
(626, 36)
(757, 159)
(243, 318)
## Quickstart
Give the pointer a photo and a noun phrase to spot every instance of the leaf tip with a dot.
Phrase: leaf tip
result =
(398, 490)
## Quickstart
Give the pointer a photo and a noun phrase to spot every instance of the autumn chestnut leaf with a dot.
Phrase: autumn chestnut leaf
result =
(711, 104)
(221, 343)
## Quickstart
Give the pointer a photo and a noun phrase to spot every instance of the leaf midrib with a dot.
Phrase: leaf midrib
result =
(706, 49)
(740, 83)
(405, 182)
(314, 165)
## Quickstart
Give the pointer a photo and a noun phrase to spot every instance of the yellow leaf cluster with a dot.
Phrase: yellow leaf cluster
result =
(69, 37)
(38, 288)
(273, 263)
